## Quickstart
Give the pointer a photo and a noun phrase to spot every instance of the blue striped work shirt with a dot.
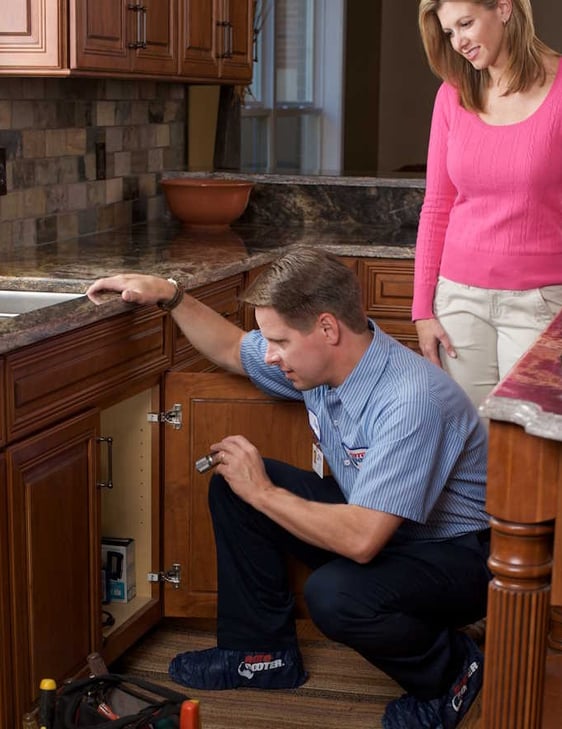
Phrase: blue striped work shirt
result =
(399, 435)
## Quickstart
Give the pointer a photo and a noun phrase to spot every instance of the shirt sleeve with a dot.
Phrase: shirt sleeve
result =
(439, 197)
(405, 470)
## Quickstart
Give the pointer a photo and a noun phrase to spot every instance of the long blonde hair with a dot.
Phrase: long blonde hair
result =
(526, 52)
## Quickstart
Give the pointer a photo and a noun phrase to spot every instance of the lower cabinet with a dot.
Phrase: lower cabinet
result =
(388, 287)
(93, 476)
(215, 405)
(129, 485)
(221, 296)
(218, 404)
(53, 567)
(104, 445)
(5, 622)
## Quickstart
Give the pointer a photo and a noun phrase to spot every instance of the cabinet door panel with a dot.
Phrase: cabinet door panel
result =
(54, 561)
(237, 66)
(2, 414)
(32, 35)
(100, 34)
(160, 55)
(6, 709)
(214, 405)
(198, 53)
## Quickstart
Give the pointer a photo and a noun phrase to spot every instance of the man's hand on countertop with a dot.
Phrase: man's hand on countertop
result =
(135, 288)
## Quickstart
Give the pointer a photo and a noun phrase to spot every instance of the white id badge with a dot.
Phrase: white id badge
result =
(317, 460)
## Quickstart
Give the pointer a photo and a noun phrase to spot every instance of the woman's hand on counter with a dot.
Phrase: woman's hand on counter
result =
(134, 288)
(430, 335)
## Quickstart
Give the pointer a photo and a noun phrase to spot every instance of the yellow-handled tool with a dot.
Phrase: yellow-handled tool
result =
(47, 698)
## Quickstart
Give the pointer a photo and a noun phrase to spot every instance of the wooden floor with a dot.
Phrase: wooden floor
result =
(343, 690)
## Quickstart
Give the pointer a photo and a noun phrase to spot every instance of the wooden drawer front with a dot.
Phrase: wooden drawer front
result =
(388, 286)
(48, 381)
(2, 411)
(222, 296)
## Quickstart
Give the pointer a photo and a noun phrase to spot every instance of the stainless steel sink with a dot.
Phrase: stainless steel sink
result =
(13, 303)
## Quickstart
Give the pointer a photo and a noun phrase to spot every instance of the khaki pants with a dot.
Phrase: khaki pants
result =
(490, 329)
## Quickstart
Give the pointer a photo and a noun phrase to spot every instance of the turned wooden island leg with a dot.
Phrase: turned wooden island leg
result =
(517, 625)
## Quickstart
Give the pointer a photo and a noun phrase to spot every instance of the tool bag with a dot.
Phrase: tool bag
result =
(116, 701)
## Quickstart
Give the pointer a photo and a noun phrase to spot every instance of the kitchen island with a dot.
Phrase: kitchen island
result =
(523, 669)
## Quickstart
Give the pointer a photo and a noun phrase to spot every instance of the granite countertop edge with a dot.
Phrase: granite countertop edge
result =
(72, 266)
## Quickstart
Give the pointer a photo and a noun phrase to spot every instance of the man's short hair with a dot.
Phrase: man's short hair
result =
(306, 282)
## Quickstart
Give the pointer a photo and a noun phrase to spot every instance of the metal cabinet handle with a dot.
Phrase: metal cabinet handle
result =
(109, 483)
(230, 37)
(143, 36)
(227, 31)
(140, 10)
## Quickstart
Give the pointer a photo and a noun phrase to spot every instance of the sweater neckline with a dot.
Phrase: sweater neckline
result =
(544, 103)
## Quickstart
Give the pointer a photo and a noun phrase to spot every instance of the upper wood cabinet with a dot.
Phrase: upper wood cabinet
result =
(216, 39)
(191, 40)
(32, 36)
(118, 35)
(236, 56)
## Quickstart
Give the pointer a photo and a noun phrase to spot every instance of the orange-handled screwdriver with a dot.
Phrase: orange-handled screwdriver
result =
(189, 715)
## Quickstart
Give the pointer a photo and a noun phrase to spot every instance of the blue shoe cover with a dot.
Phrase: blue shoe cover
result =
(446, 712)
(216, 669)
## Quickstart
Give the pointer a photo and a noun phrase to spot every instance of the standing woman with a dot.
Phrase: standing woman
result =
(488, 269)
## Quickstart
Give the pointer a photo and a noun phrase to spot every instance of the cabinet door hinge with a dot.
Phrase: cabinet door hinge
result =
(172, 417)
(173, 576)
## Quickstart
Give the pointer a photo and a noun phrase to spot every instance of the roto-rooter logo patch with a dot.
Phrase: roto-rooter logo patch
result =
(257, 664)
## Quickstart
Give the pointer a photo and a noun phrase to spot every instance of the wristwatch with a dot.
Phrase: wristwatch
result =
(176, 298)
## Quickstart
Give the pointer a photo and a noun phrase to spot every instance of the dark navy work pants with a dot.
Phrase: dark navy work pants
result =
(400, 611)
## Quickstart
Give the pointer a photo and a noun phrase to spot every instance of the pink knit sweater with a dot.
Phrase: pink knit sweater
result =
(492, 212)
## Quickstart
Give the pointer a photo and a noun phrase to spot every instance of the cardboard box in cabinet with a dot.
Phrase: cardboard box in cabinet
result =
(118, 562)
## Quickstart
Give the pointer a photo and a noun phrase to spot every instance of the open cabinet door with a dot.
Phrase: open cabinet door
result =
(214, 405)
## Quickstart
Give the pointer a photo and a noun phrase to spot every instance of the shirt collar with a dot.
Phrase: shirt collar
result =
(366, 374)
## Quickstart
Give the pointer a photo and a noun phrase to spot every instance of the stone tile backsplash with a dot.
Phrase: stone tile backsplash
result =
(50, 129)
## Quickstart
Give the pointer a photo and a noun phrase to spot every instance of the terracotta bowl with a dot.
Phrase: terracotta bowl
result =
(206, 203)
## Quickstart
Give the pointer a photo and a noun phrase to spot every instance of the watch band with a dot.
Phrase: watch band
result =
(176, 298)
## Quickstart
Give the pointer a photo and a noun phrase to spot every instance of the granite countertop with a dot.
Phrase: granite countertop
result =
(166, 249)
(531, 394)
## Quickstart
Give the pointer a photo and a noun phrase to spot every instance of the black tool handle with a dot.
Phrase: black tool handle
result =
(47, 698)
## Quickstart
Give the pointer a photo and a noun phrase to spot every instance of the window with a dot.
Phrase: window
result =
(291, 118)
